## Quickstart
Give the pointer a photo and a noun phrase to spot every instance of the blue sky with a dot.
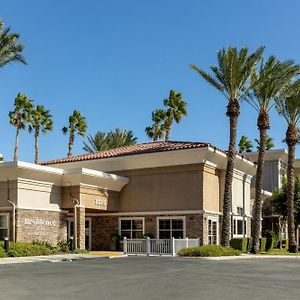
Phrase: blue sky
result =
(116, 61)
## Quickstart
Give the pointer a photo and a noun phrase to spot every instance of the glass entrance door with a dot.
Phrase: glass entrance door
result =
(88, 232)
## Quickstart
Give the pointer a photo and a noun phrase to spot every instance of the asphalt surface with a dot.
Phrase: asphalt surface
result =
(152, 278)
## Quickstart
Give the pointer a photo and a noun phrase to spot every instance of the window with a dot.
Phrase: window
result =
(4, 226)
(212, 230)
(132, 228)
(239, 226)
(240, 211)
(171, 227)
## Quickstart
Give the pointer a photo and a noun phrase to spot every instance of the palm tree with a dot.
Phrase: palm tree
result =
(10, 50)
(77, 124)
(272, 78)
(176, 109)
(269, 144)
(40, 121)
(111, 140)
(289, 108)
(95, 143)
(231, 77)
(120, 138)
(19, 117)
(245, 145)
(156, 131)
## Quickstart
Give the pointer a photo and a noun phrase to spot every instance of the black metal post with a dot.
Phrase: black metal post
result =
(71, 244)
(6, 244)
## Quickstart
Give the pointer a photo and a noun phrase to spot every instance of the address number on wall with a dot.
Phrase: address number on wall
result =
(100, 202)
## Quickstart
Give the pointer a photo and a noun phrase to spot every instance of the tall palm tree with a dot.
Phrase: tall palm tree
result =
(40, 121)
(289, 108)
(231, 77)
(156, 131)
(19, 117)
(111, 140)
(245, 145)
(77, 125)
(10, 50)
(176, 109)
(269, 145)
(272, 78)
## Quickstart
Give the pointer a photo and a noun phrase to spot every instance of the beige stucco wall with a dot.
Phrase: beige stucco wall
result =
(39, 195)
(210, 188)
(4, 185)
(167, 188)
(87, 196)
(240, 189)
(31, 194)
(297, 171)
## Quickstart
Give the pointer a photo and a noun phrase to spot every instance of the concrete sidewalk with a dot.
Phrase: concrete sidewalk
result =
(55, 258)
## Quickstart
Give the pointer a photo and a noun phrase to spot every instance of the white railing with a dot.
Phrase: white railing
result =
(149, 246)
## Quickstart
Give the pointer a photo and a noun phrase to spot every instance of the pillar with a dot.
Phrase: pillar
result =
(81, 227)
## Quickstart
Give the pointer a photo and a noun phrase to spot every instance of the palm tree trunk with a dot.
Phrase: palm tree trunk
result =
(291, 140)
(16, 144)
(36, 145)
(233, 111)
(263, 123)
(71, 142)
(168, 132)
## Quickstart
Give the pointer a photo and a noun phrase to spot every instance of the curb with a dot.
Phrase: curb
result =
(49, 258)
(244, 257)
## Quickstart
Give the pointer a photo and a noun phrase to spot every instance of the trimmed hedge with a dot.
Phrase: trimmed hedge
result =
(209, 251)
(242, 244)
(270, 244)
(262, 244)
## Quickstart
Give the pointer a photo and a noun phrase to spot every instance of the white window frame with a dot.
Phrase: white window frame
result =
(183, 218)
(130, 218)
(213, 219)
(235, 219)
(7, 222)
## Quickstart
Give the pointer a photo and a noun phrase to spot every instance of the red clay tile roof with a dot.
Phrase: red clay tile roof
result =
(133, 150)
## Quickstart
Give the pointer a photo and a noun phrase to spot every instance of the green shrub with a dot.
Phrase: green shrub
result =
(23, 249)
(46, 244)
(285, 244)
(270, 244)
(2, 252)
(79, 251)
(262, 245)
(209, 251)
(239, 244)
(63, 246)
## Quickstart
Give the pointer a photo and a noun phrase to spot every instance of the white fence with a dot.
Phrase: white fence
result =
(149, 246)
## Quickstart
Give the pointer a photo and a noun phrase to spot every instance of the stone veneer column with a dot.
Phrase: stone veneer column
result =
(81, 227)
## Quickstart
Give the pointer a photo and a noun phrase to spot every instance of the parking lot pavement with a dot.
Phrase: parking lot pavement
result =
(152, 278)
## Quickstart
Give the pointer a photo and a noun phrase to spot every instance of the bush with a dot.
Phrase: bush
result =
(46, 244)
(209, 251)
(2, 252)
(63, 246)
(23, 249)
(242, 244)
(262, 244)
(79, 251)
(36, 248)
(270, 244)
